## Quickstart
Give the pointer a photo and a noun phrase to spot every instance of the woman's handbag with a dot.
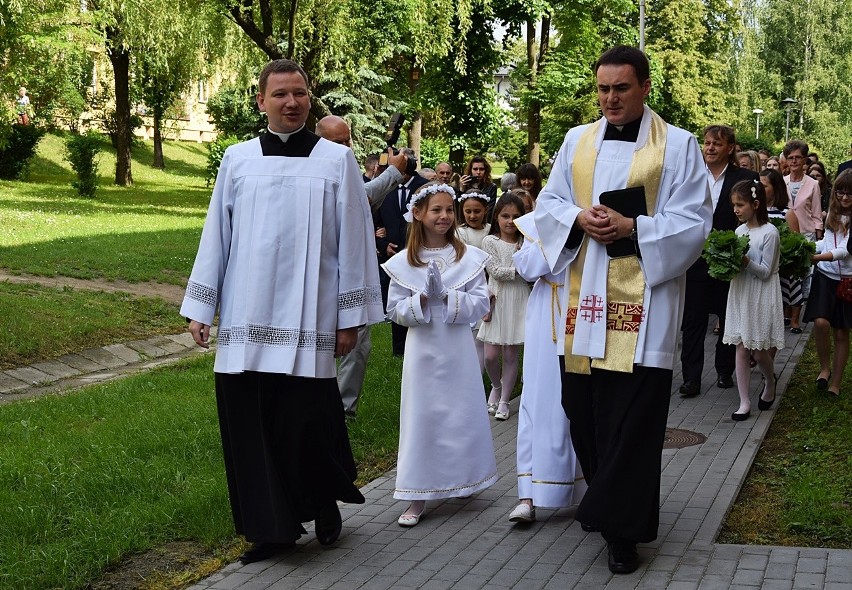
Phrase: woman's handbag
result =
(844, 287)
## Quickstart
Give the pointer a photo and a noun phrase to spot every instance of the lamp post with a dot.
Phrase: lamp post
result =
(788, 104)
(757, 113)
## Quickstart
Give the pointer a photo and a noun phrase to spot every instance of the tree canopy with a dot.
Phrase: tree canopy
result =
(712, 61)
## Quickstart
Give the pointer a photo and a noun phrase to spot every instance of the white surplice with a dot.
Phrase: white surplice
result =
(288, 255)
(548, 470)
(445, 446)
(670, 238)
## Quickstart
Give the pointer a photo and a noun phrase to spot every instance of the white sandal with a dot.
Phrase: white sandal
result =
(501, 414)
(408, 519)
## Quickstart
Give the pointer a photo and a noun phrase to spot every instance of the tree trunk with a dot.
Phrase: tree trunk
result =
(120, 58)
(457, 159)
(158, 141)
(414, 135)
(534, 110)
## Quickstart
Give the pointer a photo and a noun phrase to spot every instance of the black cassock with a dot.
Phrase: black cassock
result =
(284, 438)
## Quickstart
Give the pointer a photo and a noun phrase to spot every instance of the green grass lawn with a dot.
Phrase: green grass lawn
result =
(115, 469)
(147, 232)
(799, 490)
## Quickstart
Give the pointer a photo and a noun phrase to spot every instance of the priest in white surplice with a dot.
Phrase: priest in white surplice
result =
(287, 255)
(622, 313)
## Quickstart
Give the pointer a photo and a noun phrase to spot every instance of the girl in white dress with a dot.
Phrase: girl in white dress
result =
(549, 474)
(473, 206)
(755, 314)
(504, 333)
(437, 289)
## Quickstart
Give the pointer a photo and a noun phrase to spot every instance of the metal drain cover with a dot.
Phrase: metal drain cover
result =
(678, 439)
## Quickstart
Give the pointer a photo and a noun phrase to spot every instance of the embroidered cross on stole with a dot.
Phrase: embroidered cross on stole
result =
(622, 306)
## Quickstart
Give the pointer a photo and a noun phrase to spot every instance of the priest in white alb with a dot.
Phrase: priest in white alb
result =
(287, 256)
(626, 265)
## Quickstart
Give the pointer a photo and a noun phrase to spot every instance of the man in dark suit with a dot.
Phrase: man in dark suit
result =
(704, 294)
(389, 217)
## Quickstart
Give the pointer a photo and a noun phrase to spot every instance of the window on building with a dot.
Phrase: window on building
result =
(202, 91)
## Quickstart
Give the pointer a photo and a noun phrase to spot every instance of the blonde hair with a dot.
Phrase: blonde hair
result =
(417, 234)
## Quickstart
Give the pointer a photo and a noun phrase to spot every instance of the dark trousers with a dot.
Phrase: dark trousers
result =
(286, 451)
(398, 333)
(618, 427)
(702, 299)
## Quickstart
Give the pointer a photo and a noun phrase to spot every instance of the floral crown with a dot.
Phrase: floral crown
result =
(425, 192)
(473, 194)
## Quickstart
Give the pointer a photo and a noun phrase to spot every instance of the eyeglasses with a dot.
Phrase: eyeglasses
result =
(843, 195)
(795, 158)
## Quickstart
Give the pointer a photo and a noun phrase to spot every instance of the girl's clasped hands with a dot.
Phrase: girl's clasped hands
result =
(434, 288)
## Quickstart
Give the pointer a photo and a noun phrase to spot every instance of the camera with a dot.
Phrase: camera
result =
(394, 128)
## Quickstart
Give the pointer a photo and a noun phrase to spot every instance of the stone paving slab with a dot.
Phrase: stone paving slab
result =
(123, 352)
(57, 369)
(30, 375)
(103, 357)
(146, 348)
(8, 383)
(81, 363)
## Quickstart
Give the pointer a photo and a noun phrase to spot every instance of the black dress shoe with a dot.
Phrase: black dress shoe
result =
(740, 417)
(623, 558)
(690, 388)
(328, 524)
(725, 382)
(822, 383)
(261, 551)
(764, 405)
(588, 528)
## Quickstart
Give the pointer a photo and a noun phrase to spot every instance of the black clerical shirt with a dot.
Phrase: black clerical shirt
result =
(299, 145)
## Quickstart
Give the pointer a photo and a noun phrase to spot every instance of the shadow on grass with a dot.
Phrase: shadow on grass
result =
(164, 256)
(143, 153)
(44, 171)
(152, 201)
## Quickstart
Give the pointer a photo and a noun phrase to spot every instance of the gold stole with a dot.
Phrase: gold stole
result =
(625, 284)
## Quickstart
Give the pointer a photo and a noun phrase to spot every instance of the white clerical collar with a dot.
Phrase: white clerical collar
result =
(285, 136)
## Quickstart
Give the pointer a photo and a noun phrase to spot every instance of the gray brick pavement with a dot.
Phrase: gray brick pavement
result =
(470, 544)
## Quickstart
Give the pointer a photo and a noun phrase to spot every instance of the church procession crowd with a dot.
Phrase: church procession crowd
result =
(596, 274)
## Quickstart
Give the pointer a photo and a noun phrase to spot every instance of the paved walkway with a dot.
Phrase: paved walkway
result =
(470, 544)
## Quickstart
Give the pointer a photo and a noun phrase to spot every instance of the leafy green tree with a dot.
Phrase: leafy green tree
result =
(465, 98)
(43, 47)
(689, 44)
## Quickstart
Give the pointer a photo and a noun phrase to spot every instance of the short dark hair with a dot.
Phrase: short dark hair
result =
(621, 55)
(371, 161)
(795, 145)
(280, 66)
(724, 132)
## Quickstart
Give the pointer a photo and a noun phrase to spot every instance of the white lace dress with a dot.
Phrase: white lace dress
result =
(511, 292)
(755, 313)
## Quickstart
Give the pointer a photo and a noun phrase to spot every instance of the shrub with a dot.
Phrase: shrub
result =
(215, 152)
(234, 112)
(81, 152)
(19, 149)
(432, 151)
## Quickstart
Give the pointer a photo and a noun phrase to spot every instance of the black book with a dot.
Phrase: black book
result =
(630, 202)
